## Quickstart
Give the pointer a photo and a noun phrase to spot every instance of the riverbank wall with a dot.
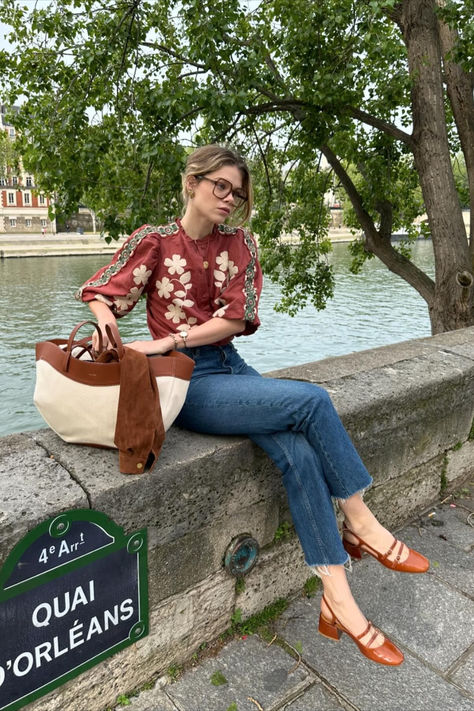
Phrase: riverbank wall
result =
(61, 244)
(409, 409)
(75, 244)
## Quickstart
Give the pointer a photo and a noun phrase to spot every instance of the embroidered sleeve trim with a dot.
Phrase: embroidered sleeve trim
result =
(126, 252)
(250, 292)
(227, 229)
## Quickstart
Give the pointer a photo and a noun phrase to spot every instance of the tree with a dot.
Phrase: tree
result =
(382, 89)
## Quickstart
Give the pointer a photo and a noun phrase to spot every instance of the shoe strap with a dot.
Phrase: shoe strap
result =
(379, 556)
(367, 629)
(397, 558)
(334, 618)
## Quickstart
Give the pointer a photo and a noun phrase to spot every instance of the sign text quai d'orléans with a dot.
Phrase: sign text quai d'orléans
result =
(72, 593)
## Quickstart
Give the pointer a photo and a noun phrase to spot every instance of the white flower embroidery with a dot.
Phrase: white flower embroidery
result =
(221, 312)
(219, 277)
(175, 264)
(223, 260)
(175, 313)
(135, 293)
(225, 265)
(183, 302)
(185, 278)
(165, 287)
(141, 275)
(123, 303)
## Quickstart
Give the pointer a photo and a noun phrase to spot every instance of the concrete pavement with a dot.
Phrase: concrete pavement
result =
(288, 666)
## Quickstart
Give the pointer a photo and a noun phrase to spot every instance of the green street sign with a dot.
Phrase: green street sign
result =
(73, 592)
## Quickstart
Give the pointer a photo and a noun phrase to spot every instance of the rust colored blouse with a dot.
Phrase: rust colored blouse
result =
(186, 281)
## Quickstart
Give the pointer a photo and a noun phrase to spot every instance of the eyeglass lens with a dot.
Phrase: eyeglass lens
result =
(223, 187)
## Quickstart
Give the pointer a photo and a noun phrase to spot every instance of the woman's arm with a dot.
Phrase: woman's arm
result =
(216, 329)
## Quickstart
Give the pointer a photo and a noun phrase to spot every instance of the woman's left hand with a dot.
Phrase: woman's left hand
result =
(150, 347)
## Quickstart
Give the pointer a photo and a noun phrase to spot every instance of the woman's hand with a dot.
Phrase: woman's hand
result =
(103, 316)
(158, 347)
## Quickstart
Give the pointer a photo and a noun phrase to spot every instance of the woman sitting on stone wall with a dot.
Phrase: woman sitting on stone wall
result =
(202, 280)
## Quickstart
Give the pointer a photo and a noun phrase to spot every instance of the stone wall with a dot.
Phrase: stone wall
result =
(409, 409)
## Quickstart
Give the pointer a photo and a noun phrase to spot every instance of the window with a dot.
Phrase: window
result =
(43, 223)
(27, 222)
(12, 132)
(12, 221)
(26, 198)
(3, 181)
(29, 181)
(14, 180)
(42, 200)
(11, 199)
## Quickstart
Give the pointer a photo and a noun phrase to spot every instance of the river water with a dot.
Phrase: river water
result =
(371, 309)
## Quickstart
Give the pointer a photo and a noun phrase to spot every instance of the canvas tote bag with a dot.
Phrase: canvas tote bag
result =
(78, 396)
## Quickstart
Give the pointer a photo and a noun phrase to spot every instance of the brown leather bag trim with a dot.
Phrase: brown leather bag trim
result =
(173, 364)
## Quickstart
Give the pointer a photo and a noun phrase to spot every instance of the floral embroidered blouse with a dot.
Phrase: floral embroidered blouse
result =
(186, 282)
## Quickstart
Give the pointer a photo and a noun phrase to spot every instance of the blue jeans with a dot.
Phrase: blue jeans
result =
(296, 424)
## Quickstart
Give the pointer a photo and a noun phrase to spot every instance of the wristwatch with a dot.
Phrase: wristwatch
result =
(183, 335)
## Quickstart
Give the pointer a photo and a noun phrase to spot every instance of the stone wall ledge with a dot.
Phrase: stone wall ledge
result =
(409, 409)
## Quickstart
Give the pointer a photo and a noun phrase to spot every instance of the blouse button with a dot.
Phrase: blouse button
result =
(205, 264)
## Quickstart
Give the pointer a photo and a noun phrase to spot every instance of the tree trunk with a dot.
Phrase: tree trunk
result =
(458, 85)
(453, 304)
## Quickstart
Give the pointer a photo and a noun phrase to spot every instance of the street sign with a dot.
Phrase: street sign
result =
(72, 593)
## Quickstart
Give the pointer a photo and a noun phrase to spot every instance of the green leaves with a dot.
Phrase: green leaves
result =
(117, 92)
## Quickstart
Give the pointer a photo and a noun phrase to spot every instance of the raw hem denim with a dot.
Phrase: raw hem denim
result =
(296, 424)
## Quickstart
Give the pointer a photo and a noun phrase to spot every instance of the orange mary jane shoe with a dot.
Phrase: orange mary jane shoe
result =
(386, 653)
(414, 563)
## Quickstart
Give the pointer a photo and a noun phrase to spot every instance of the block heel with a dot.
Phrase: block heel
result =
(353, 550)
(328, 629)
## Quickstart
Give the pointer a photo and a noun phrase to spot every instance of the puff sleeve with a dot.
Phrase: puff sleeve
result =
(238, 280)
(121, 283)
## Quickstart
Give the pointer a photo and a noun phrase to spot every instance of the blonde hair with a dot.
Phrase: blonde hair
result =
(208, 159)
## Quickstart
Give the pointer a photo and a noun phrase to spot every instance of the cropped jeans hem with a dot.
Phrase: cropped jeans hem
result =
(322, 571)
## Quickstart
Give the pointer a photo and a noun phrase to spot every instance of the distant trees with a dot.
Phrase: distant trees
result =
(382, 89)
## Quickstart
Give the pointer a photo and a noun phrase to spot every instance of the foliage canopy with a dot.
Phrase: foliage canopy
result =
(116, 92)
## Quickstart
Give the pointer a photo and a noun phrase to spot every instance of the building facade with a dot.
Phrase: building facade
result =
(23, 208)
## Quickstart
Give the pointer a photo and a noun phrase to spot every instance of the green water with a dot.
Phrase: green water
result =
(36, 302)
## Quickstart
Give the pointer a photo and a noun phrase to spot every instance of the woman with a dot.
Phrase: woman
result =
(202, 280)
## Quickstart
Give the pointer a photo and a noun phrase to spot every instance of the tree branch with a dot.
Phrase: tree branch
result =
(382, 125)
(376, 242)
(359, 114)
(385, 209)
(172, 53)
(264, 160)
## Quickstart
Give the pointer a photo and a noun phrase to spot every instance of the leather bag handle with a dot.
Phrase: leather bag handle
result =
(72, 343)
(114, 337)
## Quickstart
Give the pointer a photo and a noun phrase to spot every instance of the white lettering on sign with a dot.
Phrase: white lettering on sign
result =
(62, 605)
(79, 633)
(64, 549)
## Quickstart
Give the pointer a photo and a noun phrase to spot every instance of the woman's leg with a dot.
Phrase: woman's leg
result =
(360, 519)
(296, 424)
